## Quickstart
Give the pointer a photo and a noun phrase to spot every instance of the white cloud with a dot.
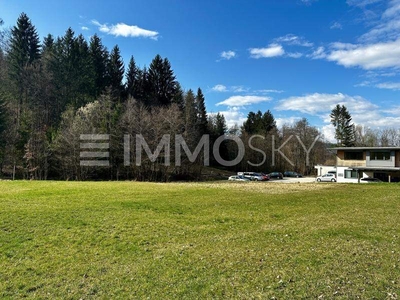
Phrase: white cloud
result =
(232, 89)
(343, 46)
(84, 28)
(228, 54)
(379, 122)
(394, 110)
(293, 40)
(361, 3)
(219, 88)
(388, 30)
(242, 89)
(234, 115)
(317, 104)
(122, 29)
(286, 121)
(239, 89)
(363, 84)
(272, 50)
(379, 48)
(308, 2)
(319, 53)
(363, 112)
(393, 10)
(387, 27)
(243, 100)
(294, 54)
(268, 91)
(368, 57)
(328, 131)
(378, 73)
(389, 85)
(336, 25)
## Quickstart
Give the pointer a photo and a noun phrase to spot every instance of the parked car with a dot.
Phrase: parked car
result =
(277, 175)
(260, 177)
(252, 176)
(238, 178)
(266, 176)
(369, 179)
(327, 177)
(292, 174)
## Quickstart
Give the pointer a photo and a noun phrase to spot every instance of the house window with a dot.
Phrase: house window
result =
(354, 155)
(379, 155)
(350, 174)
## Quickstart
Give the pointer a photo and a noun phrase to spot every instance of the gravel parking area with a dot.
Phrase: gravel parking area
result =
(293, 180)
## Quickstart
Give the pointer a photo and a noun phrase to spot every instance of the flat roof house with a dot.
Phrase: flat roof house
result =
(354, 163)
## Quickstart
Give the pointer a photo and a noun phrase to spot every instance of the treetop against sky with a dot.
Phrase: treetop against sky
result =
(296, 58)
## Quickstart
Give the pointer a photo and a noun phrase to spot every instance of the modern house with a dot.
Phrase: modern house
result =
(354, 163)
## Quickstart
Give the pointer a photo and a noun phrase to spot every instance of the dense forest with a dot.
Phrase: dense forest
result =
(54, 90)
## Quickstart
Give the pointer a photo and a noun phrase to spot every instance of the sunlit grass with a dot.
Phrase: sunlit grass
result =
(224, 240)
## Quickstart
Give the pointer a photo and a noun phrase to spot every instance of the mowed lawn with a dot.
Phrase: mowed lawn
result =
(129, 240)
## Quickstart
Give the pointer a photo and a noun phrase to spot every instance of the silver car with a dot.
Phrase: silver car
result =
(327, 177)
(238, 178)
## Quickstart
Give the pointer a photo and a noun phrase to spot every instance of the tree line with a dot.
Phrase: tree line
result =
(54, 90)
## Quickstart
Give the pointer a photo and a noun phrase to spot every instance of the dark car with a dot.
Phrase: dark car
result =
(292, 174)
(370, 179)
(277, 175)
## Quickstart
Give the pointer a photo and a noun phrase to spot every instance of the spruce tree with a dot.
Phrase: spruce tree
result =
(116, 73)
(258, 123)
(254, 123)
(190, 116)
(24, 46)
(179, 98)
(201, 113)
(24, 52)
(220, 130)
(64, 68)
(162, 82)
(86, 73)
(99, 57)
(48, 44)
(73, 71)
(132, 78)
(142, 89)
(220, 125)
(344, 129)
(268, 122)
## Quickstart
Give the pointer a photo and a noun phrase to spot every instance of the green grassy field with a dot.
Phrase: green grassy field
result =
(83, 240)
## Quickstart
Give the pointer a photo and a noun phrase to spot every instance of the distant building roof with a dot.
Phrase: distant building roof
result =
(365, 148)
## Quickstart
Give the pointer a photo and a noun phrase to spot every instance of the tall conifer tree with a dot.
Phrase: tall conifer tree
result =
(344, 128)
(99, 58)
(201, 113)
(162, 82)
(116, 73)
(132, 78)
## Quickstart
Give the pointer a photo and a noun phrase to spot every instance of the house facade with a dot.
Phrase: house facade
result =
(355, 163)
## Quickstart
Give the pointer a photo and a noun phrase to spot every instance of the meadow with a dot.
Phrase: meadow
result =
(133, 240)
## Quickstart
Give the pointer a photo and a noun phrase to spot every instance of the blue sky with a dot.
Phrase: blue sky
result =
(297, 58)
